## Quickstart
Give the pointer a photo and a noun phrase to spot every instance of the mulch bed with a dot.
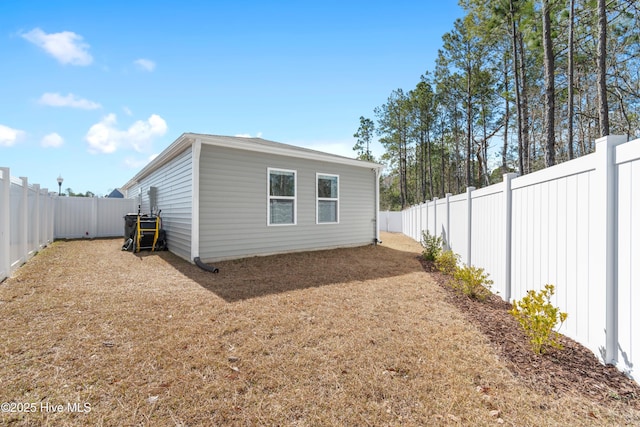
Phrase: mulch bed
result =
(573, 369)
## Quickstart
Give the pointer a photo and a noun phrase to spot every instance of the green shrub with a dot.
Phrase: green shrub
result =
(538, 317)
(473, 282)
(447, 262)
(432, 246)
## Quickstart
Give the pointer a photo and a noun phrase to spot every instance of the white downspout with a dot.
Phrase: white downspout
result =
(195, 198)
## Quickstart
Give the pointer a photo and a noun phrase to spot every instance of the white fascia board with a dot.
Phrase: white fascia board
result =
(169, 153)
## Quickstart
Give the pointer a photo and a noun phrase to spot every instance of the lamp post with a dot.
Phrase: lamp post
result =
(60, 179)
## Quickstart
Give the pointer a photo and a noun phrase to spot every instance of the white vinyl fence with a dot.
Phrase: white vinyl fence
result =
(31, 218)
(26, 221)
(88, 217)
(390, 221)
(575, 225)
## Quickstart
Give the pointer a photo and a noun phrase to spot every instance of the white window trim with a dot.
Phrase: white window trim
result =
(331, 199)
(294, 198)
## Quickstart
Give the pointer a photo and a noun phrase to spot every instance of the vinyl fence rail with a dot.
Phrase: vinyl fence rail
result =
(31, 218)
(575, 225)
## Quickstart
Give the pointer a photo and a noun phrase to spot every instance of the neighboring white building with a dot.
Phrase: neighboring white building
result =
(226, 197)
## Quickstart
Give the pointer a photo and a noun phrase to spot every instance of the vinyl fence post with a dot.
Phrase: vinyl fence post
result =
(447, 229)
(35, 227)
(606, 175)
(50, 217)
(469, 218)
(93, 229)
(24, 224)
(435, 217)
(5, 224)
(414, 223)
(418, 209)
(506, 179)
(44, 214)
(427, 215)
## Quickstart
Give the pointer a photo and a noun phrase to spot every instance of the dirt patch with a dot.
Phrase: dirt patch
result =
(359, 336)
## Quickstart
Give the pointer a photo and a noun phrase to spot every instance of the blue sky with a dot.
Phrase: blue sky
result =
(92, 90)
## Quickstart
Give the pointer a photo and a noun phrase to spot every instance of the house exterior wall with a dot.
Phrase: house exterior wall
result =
(233, 205)
(173, 182)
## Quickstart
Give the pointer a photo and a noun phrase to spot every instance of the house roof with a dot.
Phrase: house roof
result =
(116, 193)
(241, 143)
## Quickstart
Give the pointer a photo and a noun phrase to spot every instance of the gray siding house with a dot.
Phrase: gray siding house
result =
(231, 197)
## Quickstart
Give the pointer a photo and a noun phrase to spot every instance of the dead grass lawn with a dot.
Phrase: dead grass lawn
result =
(358, 337)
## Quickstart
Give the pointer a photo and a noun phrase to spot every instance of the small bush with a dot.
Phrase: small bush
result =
(432, 246)
(538, 317)
(473, 282)
(447, 262)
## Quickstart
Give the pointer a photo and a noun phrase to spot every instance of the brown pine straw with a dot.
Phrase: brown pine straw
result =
(354, 337)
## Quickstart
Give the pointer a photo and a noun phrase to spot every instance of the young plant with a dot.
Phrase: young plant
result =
(473, 282)
(432, 246)
(447, 262)
(539, 318)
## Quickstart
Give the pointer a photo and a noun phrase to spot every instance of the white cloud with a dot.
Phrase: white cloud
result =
(127, 111)
(57, 100)
(52, 140)
(145, 64)
(67, 47)
(133, 163)
(105, 137)
(10, 136)
(248, 135)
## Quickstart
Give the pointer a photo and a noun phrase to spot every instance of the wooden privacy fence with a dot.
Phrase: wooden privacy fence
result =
(575, 225)
(31, 218)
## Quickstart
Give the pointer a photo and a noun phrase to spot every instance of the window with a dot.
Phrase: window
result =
(281, 193)
(327, 195)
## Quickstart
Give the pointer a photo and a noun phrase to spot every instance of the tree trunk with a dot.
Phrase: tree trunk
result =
(549, 86)
(602, 68)
(469, 126)
(403, 170)
(430, 166)
(516, 86)
(442, 159)
(570, 80)
(505, 143)
(458, 160)
(525, 108)
(420, 163)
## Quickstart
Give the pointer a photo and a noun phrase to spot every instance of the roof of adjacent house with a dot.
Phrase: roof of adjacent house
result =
(116, 193)
(241, 143)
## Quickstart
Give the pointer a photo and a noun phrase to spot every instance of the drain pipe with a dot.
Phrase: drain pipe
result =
(376, 206)
(204, 266)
